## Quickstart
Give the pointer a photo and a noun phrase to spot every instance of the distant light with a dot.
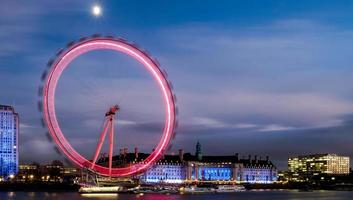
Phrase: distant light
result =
(96, 10)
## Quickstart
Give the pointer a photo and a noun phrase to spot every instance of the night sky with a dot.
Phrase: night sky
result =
(251, 77)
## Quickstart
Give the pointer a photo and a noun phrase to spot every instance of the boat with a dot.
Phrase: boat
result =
(100, 189)
(152, 190)
(230, 188)
(196, 190)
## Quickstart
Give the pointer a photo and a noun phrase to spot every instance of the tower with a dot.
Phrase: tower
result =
(198, 152)
(9, 128)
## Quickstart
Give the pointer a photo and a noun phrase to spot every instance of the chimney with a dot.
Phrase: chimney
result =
(181, 155)
(136, 152)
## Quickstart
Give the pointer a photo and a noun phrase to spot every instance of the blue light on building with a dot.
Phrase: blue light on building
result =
(215, 173)
(230, 168)
(259, 175)
(198, 168)
(165, 173)
(9, 128)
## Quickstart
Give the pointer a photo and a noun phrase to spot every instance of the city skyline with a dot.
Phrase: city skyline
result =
(274, 84)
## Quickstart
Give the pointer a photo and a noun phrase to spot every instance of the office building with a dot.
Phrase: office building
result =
(9, 129)
(305, 166)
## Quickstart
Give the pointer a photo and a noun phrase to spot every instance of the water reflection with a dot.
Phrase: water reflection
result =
(250, 195)
(101, 196)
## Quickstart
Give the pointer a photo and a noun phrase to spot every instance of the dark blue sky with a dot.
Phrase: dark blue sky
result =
(254, 77)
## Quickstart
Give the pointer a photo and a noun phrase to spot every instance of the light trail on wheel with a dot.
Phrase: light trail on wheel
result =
(57, 66)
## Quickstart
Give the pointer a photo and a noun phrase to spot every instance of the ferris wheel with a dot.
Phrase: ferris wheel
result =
(47, 91)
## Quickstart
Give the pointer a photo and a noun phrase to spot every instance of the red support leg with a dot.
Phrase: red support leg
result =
(111, 143)
(100, 143)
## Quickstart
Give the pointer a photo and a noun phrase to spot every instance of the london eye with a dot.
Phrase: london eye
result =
(47, 106)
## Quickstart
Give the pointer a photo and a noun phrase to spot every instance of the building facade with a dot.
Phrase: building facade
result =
(306, 166)
(199, 168)
(9, 129)
(187, 168)
(231, 169)
(54, 172)
(165, 172)
(263, 172)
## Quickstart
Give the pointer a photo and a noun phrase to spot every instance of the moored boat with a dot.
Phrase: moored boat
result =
(230, 188)
(196, 190)
(100, 189)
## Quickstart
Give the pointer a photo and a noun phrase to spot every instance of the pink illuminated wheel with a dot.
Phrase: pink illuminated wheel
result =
(50, 81)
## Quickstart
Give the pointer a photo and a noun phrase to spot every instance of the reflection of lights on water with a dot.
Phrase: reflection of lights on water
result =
(31, 194)
(10, 194)
(100, 195)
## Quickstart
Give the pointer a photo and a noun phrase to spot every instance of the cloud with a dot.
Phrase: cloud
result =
(208, 122)
(253, 107)
(126, 122)
(37, 149)
(274, 127)
(245, 125)
(26, 126)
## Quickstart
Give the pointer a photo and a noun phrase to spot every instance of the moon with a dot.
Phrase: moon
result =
(97, 10)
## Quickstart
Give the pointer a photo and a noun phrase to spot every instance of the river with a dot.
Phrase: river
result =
(249, 195)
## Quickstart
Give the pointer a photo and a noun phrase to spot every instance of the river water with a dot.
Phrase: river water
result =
(249, 195)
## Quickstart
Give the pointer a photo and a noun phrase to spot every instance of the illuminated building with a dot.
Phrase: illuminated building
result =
(9, 128)
(258, 171)
(165, 172)
(28, 172)
(196, 168)
(53, 172)
(303, 167)
(231, 169)
(170, 169)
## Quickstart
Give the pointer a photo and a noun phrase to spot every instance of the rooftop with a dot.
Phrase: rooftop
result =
(130, 157)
